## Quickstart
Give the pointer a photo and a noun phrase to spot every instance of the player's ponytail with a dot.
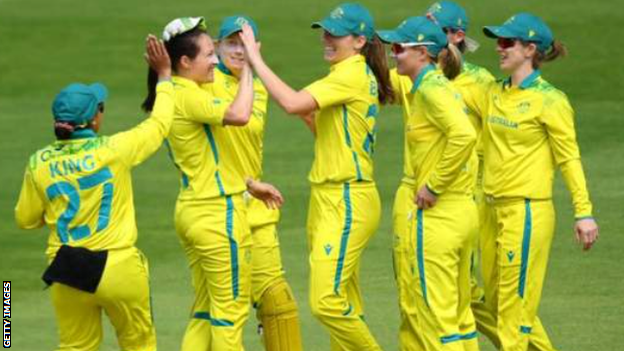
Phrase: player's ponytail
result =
(450, 60)
(184, 44)
(556, 50)
(376, 59)
(63, 130)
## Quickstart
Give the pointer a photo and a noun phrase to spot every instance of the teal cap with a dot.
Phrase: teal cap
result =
(448, 14)
(233, 24)
(348, 19)
(526, 27)
(417, 30)
(78, 103)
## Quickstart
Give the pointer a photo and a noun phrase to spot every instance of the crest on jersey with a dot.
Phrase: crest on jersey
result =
(524, 107)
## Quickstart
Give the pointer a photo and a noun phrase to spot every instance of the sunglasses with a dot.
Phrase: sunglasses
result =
(506, 43)
(399, 48)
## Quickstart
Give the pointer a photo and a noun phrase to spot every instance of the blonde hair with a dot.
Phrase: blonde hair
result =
(450, 60)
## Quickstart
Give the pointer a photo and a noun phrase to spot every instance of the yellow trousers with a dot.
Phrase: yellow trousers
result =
(342, 218)
(216, 239)
(266, 258)
(123, 294)
(442, 240)
(515, 244)
(486, 320)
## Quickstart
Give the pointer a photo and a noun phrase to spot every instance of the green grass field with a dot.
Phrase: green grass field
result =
(48, 44)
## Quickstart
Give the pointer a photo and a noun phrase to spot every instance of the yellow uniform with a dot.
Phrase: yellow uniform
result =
(472, 83)
(82, 190)
(211, 218)
(403, 205)
(440, 142)
(267, 273)
(344, 205)
(528, 130)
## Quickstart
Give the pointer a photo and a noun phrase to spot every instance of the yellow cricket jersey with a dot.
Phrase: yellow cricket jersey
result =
(200, 145)
(527, 131)
(440, 137)
(472, 83)
(248, 138)
(82, 189)
(402, 87)
(345, 123)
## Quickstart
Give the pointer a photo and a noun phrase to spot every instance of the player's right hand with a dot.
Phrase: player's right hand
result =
(586, 231)
(157, 57)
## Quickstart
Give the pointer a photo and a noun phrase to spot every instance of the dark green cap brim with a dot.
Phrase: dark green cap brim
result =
(333, 27)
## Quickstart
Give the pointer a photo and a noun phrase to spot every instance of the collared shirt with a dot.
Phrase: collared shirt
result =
(472, 83)
(249, 138)
(205, 156)
(528, 130)
(82, 189)
(440, 137)
(345, 123)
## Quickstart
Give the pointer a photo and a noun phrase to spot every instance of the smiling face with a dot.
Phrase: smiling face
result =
(514, 54)
(201, 68)
(232, 53)
(336, 49)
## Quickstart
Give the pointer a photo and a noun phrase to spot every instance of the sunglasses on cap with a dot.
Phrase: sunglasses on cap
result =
(399, 48)
(506, 43)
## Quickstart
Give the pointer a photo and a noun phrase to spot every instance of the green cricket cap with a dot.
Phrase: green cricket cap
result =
(348, 19)
(526, 27)
(417, 30)
(78, 103)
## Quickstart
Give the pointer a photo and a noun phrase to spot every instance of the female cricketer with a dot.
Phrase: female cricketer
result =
(528, 130)
(80, 187)
(344, 205)
(210, 214)
(443, 224)
(271, 295)
(473, 82)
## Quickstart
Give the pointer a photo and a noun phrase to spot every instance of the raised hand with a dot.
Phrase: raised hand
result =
(252, 48)
(157, 57)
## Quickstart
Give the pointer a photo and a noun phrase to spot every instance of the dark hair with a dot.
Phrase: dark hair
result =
(450, 59)
(556, 50)
(184, 44)
(64, 130)
(375, 54)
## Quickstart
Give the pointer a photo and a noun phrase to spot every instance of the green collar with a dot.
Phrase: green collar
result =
(421, 76)
(527, 82)
(223, 68)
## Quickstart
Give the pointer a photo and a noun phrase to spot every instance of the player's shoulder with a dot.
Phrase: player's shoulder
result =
(551, 95)
(477, 73)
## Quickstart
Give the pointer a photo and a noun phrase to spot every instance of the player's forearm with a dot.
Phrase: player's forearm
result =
(289, 99)
(239, 112)
(457, 152)
(574, 177)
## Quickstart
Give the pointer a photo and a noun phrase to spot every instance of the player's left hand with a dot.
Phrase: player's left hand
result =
(252, 47)
(266, 193)
(586, 231)
(425, 199)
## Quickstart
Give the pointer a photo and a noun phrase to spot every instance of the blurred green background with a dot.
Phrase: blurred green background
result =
(46, 44)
